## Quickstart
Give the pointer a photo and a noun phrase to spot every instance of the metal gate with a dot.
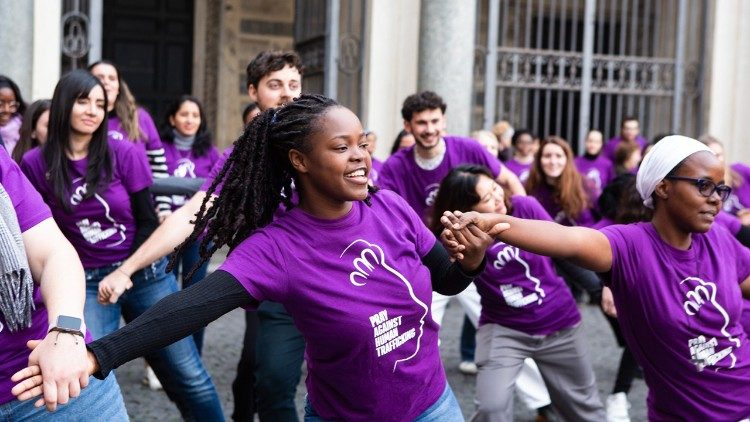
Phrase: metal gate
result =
(330, 37)
(566, 66)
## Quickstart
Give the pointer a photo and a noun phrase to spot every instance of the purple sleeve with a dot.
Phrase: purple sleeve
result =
(387, 179)
(152, 140)
(218, 165)
(729, 221)
(741, 254)
(134, 172)
(30, 208)
(486, 159)
(529, 208)
(424, 240)
(257, 263)
(623, 252)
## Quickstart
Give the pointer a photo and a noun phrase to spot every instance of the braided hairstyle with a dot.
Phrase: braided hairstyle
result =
(257, 176)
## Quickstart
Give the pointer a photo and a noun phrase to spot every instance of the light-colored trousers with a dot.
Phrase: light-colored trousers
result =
(530, 385)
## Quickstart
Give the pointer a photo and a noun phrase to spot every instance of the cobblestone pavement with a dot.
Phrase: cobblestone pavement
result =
(224, 340)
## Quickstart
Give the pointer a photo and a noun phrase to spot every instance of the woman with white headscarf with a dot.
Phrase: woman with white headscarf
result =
(677, 281)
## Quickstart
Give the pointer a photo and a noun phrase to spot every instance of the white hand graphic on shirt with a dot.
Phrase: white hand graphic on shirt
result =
(92, 231)
(702, 350)
(370, 264)
(513, 295)
(430, 194)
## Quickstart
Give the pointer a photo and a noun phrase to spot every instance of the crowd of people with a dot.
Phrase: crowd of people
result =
(347, 262)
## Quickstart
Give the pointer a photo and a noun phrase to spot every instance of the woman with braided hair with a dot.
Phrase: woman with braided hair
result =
(355, 268)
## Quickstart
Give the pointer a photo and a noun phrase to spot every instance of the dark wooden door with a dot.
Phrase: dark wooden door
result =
(152, 44)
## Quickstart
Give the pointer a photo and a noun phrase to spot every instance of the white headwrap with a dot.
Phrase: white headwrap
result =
(660, 160)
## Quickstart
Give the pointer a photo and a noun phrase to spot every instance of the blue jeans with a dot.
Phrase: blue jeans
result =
(178, 366)
(100, 401)
(183, 264)
(468, 340)
(445, 409)
(279, 351)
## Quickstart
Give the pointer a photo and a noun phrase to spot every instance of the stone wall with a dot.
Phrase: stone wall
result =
(229, 34)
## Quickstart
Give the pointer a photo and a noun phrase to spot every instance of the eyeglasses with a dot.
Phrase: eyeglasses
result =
(706, 187)
(12, 105)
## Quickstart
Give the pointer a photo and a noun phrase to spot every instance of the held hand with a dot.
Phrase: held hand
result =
(113, 286)
(58, 370)
(608, 302)
(488, 223)
(475, 244)
(455, 249)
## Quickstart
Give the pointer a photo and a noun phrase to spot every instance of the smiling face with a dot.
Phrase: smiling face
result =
(187, 119)
(88, 112)
(7, 105)
(107, 74)
(276, 88)
(336, 168)
(687, 208)
(427, 126)
(553, 160)
(491, 196)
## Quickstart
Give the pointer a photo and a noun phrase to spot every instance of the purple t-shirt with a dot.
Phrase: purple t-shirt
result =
(215, 169)
(151, 141)
(360, 295)
(377, 165)
(740, 197)
(30, 211)
(519, 169)
(679, 312)
(599, 171)
(417, 186)
(608, 151)
(102, 227)
(545, 197)
(521, 290)
(182, 163)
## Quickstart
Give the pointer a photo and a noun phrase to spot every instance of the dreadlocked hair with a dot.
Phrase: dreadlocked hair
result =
(256, 177)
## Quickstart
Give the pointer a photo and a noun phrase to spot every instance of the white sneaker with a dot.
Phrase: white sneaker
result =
(617, 408)
(468, 368)
(150, 379)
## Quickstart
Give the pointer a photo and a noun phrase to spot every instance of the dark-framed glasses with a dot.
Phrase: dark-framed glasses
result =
(12, 105)
(706, 187)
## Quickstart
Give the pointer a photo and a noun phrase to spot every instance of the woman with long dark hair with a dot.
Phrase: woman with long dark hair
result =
(527, 310)
(98, 192)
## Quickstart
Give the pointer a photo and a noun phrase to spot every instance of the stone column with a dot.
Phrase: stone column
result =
(16, 43)
(446, 57)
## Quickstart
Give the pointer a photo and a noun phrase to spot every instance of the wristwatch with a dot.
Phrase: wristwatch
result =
(68, 324)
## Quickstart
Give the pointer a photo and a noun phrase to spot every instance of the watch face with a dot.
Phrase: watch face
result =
(69, 322)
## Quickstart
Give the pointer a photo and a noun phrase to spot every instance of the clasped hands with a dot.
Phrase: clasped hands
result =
(467, 235)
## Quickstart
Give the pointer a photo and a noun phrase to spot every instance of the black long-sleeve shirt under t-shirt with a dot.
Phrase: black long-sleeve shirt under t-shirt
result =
(181, 314)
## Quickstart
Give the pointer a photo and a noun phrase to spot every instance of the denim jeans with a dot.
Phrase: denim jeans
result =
(178, 366)
(183, 264)
(280, 349)
(99, 401)
(445, 409)
(468, 340)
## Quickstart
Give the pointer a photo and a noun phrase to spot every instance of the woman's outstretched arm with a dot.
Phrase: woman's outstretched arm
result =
(585, 247)
(172, 318)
